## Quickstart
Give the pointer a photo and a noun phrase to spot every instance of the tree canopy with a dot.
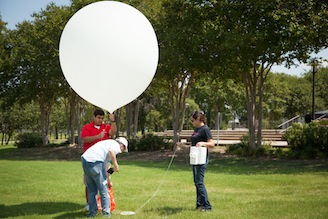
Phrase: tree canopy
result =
(216, 55)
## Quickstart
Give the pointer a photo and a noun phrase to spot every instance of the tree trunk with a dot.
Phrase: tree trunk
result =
(264, 71)
(254, 84)
(72, 116)
(65, 100)
(3, 137)
(136, 117)
(175, 118)
(118, 121)
(260, 108)
(251, 99)
(45, 109)
(178, 91)
(56, 132)
(129, 119)
(80, 114)
(10, 134)
(132, 116)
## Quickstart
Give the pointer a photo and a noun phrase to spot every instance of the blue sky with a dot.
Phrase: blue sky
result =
(15, 11)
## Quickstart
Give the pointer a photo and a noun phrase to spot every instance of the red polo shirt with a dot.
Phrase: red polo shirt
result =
(91, 130)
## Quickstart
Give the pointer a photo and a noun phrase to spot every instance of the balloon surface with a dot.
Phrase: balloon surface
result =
(108, 53)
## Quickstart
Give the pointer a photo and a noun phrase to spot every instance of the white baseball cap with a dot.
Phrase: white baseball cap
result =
(123, 141)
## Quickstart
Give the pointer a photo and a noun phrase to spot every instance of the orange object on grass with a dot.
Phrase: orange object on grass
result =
(111, 198)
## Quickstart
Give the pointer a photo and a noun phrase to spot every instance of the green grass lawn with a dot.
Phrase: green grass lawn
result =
(238, 188)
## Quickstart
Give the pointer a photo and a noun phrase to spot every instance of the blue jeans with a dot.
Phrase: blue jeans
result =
(96, 180)
(199, 174)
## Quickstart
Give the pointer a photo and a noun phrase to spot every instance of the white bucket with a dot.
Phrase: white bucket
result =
(198, 155)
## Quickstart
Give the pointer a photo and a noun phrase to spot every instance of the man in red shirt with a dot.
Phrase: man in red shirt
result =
(96, 131)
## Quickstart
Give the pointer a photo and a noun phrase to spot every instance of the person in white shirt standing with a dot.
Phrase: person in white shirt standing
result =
(95, 162)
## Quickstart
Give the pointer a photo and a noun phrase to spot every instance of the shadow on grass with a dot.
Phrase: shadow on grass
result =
(218, 163)
(166, 211)
(76, 214)
(64, 153)
(42, 208)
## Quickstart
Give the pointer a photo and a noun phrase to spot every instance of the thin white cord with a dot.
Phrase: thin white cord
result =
(155, 193)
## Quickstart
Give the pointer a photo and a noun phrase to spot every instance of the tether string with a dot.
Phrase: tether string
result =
(155, 193)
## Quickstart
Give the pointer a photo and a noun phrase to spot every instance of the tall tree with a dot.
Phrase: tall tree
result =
(257, 34)
(182, 45)
(37, 73)
(6, 65)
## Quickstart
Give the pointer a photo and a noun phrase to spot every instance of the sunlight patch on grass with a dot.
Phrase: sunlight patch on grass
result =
(237, 189)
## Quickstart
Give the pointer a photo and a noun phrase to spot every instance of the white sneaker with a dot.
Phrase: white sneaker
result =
(86, 207)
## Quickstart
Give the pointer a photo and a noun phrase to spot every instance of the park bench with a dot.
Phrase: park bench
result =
(229, 137)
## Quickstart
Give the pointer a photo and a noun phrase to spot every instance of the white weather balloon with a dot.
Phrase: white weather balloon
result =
(108, 52)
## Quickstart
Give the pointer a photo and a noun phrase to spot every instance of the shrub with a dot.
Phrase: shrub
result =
(244, 149)
(280, 152)
(235, 149)
(305, 140)
(308, 140)
(28, 140)
(149, 142)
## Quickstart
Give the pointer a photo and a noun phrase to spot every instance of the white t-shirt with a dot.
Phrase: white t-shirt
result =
(100, 151)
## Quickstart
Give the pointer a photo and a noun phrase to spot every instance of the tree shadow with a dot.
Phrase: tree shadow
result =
(42, 153)
(166, 211)
(79, 214)
(41, 208)
(219, 163)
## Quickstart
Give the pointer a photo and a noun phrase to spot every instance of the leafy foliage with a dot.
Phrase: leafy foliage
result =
(254, 35)
(305, 141)
(309, 140)
(28, 140)
(149, 142)
(242, 148)
(204, 46)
